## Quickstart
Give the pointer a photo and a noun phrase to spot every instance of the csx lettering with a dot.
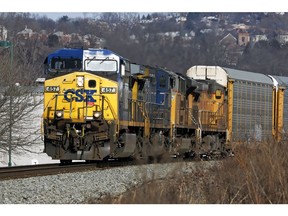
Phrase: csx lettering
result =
(78, 95)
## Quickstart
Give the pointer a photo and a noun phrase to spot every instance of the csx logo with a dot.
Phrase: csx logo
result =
(78, 95)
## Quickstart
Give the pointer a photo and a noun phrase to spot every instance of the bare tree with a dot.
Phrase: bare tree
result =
(20, 108)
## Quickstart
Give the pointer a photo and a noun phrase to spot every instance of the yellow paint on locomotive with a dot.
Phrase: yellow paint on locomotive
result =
(134, 99)
(212, 109)
(191, 118)
(279, 113)
(80, 101)
(173, 112)
(230, 109)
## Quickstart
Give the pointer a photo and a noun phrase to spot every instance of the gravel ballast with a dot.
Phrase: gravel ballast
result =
(76, 188)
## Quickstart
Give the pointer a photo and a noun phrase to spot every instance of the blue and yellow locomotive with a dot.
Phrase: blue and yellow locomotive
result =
(99, 105)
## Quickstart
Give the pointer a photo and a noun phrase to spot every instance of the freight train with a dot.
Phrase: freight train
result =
(99, 105)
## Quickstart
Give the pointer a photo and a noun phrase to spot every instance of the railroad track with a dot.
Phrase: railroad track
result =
(43, 169)
(26, 171)
(16, 172)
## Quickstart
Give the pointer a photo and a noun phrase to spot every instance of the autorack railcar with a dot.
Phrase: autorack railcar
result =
(252, 102)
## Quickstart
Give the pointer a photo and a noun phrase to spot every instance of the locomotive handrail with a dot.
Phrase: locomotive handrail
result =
(198, 124)
(137, 102)
(142, 107)
(42, 117)
(217, 111)
(110, 106)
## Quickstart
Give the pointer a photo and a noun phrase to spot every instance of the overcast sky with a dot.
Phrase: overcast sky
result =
(56, 15)
(143, 6)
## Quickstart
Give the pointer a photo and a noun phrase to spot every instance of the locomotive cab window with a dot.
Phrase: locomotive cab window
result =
(172, 83)
(57, 64)
(92, 83)
(218, 94)
(182, 85)
(66, 64)
(101, 65)
(162, 82)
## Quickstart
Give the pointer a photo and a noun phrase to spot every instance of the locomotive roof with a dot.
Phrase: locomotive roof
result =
(78, 53)
(104, 51)
(68, 53)
(222, 74)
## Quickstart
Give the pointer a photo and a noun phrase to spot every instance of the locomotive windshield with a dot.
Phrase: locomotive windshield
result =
(63, 61)
(101, 65)
(62, 64)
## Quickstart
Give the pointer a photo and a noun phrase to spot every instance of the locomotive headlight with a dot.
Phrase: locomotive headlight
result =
(59, 113)
(97, 114)
(80, 81)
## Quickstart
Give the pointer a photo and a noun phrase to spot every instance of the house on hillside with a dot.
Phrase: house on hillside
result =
(181, 19)
(232, 50)
(63, 39)
(282, 38)
(3, 33)
(243, 38)
(229, 41)
(25, 34)
(28, 34)
(257, 38)
(241, 26)
(90, 40)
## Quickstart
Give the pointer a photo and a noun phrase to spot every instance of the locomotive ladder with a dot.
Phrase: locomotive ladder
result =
(214, 116)
(191, 116)
(142, 108)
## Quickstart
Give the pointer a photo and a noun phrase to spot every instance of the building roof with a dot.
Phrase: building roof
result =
(228, 37)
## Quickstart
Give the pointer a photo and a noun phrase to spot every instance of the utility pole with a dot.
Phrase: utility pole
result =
(8, 44)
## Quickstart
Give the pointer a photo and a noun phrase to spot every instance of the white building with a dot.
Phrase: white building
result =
(3, 33)
(257, 38)
(282, 38)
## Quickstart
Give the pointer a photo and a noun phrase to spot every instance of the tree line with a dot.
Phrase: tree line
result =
(148, 45)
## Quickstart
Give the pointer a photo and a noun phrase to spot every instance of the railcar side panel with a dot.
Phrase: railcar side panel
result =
(252, 111)
(281, 84)
(285, 113)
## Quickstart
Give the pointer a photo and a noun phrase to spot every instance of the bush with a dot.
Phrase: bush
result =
(256, 175)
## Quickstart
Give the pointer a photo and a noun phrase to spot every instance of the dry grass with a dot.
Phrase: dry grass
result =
(171, 191)
(256, 175)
